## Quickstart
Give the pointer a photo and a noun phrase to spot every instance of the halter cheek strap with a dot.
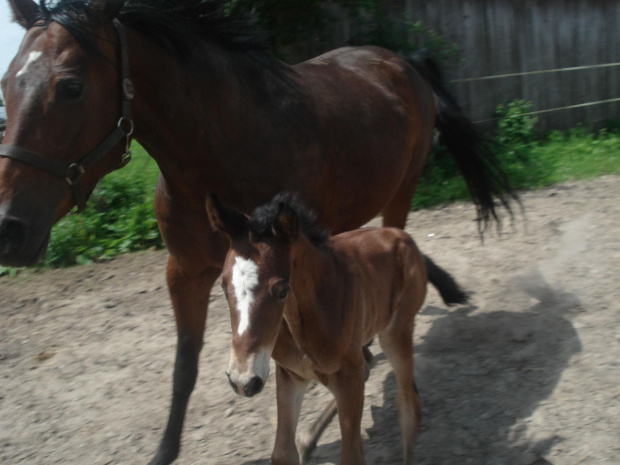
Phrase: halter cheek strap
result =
(72, 173)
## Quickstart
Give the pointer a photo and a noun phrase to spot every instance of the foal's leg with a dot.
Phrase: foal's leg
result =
(309, 439)
(397, 344)
(290, 390)
(347, 385)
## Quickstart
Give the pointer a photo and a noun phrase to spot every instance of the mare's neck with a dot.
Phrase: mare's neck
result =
(194, 119)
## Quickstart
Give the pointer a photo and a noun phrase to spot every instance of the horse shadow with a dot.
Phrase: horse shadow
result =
(480, 377)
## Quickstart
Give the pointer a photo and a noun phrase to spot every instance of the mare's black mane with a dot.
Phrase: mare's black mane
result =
(178, 25)
(263, 217)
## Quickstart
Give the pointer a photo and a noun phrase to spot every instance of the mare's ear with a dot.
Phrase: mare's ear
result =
(286, 223)
(225, 219)
(106, 10)
(24, 12)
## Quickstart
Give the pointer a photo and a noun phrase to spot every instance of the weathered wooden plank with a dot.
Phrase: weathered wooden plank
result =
(513, 36)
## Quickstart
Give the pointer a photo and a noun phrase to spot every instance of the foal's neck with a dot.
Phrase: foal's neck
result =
(313, 269)
(315, 316)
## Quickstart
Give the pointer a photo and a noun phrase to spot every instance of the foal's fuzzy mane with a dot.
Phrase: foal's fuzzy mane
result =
(260, 223)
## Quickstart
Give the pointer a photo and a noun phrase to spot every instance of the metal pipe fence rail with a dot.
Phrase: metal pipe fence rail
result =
(540, 72)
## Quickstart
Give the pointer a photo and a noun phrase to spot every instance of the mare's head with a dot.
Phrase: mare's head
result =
(63, 98)
(256, 280)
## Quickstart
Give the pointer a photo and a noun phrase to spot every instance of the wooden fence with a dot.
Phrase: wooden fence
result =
(499, 37)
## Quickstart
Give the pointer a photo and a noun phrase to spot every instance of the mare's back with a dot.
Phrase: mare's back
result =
(366, 78)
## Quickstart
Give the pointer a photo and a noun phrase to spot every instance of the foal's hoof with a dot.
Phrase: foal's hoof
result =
(306, 443)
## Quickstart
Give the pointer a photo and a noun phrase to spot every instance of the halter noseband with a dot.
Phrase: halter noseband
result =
(72, 173)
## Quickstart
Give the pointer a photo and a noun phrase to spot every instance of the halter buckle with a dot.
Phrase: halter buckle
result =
(74, 171)
(126, 125)
(126, 159)
(128, 89)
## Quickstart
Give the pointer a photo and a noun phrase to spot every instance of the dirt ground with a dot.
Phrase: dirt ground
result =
(528, 374)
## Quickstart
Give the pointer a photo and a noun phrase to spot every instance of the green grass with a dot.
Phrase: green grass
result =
(560, 157)
(120, 218)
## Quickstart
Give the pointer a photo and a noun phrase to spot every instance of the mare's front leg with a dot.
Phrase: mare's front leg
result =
(290, 390)
(193, 266)
(347, 385)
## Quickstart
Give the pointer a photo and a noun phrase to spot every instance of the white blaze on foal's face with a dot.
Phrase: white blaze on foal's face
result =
(244, 282)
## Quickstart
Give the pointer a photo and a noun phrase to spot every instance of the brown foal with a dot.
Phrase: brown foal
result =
(313, 302)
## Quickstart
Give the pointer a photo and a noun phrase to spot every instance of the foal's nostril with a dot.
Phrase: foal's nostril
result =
(232, 385)
(254, 386)
(12, 236)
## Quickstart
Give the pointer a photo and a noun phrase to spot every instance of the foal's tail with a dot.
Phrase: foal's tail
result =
(481, 169)
(448, 288)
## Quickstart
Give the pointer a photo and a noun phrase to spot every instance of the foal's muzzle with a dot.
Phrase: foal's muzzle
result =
(250, 388)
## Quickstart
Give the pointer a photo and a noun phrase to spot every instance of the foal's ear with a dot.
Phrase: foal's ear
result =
(286, 223)
(24, 12)
(225, 219)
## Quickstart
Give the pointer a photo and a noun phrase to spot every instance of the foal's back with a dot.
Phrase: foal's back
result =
(386, 273)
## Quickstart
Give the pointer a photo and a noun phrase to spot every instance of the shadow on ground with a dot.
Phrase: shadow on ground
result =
(480, 377)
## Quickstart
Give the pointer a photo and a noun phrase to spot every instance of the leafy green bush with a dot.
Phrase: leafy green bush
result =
(293, 25)
(403, 36)
(529, 161)
(515, 126)
(119, 218)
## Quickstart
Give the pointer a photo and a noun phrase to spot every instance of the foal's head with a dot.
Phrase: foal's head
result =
(255, 280)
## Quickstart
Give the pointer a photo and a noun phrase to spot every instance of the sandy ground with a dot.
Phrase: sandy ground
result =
(529, 374)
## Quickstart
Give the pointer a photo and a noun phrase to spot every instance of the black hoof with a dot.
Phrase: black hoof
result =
(165, 456)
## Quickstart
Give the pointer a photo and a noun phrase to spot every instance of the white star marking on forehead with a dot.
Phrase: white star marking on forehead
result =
(244, 280)
(32, 57)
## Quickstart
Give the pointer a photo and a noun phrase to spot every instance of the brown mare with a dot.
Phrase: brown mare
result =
(313, 303)
(348, 131)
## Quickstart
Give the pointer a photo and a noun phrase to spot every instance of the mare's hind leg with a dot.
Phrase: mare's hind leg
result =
(396, 211)
(397, 344)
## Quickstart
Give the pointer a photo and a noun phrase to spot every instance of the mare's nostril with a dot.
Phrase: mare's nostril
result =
(254, 386)
(12, 236)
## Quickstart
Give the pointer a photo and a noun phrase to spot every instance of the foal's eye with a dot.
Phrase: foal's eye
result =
(282, 291)
(70, 89)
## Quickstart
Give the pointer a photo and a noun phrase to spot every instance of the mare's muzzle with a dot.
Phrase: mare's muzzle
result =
(13, 234)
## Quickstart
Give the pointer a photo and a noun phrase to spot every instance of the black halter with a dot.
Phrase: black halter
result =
(124, 129)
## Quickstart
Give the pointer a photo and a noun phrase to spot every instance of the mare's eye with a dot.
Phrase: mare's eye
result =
(70, 89)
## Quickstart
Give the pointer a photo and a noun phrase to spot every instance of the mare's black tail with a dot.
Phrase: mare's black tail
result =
(481, 169)
(448, 288)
